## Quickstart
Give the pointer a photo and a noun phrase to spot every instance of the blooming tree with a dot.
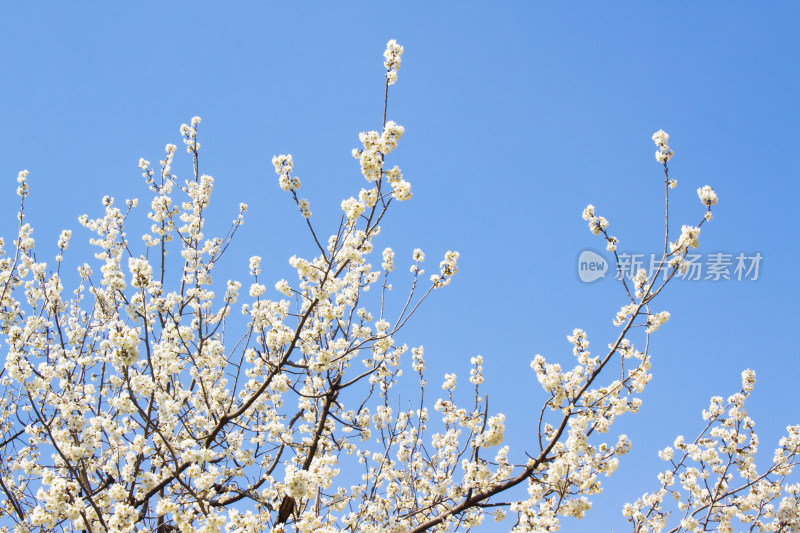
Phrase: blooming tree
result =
(143, 400)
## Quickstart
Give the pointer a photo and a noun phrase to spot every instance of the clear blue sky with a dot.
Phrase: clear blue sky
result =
(517, 115)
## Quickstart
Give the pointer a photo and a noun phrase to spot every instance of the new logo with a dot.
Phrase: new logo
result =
(591, 266)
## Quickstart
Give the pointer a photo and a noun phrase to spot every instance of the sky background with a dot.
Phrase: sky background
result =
(517, 115)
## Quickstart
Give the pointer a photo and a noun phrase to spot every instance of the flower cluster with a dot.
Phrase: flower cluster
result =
(375, 148)
(707, 196)
(655, 320)
(448, 268)
(189, 132)
(283, 167)
(305, 207)
(713, 482)
(141, 402)
(664, 152)
(598, 225)
(392, 58)
(352, 209)
(401, 189)
(688, 239)
(388, 260)
(23, 189)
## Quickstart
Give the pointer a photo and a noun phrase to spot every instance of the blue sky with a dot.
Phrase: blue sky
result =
(517, 115)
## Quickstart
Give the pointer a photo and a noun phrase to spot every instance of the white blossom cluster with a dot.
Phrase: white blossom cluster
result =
(713, 483)
(598, 225)
(688, 239)
(392, 59)
(140, 402)
(283, 167)
(189, 132)
(708, 197)
(664, 152)
(448, 267)
(375, 148)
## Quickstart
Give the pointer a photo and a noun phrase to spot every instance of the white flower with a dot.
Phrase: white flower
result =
(368, 197)
(298, 484)
(85, 271)
(748, 380)
(257, 290)
(494, 434)
(661, 138)
(141, 271)
(707, 196)
(63, 239)
(598, 225)
(280, 383)
(666, 454)
(304, 207)
(449, 267)
(352, 208)
(623, 313)
(283, 168)
(283, 287)
(688, 239)
(663, 154)
(449, 382)
(283, 163)
(255, 265)
(654, 321)
(388, 260)
(392, 58)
